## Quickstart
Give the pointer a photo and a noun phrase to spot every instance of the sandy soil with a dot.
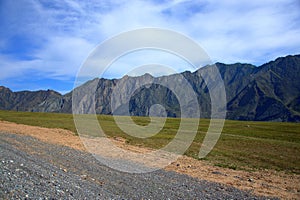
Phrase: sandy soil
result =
(266, 182)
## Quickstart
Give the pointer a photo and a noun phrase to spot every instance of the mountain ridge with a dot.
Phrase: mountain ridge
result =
(270, 92)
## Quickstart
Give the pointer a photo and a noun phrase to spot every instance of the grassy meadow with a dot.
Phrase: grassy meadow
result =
(243, 144)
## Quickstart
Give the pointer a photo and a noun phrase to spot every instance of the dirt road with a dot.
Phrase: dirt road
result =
(41, 162)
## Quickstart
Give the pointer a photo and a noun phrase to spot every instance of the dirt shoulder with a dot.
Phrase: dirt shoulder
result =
(266, 182)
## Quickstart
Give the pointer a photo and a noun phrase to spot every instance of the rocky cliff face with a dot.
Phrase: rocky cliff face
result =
(39, 101)
(270, 92)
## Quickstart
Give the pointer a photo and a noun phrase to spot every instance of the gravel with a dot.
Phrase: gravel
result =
(32, 169)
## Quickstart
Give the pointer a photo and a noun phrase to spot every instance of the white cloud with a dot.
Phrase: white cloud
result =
(12, 68)
(64, 54)
(63, 32)
(239, 31)
(144, 61)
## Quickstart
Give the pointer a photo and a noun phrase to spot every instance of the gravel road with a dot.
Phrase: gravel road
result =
(32, 169)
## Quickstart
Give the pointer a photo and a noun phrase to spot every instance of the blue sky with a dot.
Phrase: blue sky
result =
(43, 43)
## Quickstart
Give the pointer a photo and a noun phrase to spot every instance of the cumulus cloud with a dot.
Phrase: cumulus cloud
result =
(54, 37)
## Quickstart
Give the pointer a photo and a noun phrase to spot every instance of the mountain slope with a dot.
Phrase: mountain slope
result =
(30, 101)
(272, 95)
(270, 92)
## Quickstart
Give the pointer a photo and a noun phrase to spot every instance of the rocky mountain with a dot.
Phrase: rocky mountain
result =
(39, 101)
(270, 92)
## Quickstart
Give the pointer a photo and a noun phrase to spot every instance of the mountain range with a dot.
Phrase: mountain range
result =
(270, 92)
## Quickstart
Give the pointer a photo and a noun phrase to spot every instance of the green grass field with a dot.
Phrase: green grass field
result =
(242, 145)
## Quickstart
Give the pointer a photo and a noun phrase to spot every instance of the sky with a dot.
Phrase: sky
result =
(43, 43)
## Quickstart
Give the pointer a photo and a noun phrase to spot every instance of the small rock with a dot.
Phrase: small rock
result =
(177, 164)
(250, 180)
(60, 191)
(84, 176)
(189, 166)
(238, 177)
